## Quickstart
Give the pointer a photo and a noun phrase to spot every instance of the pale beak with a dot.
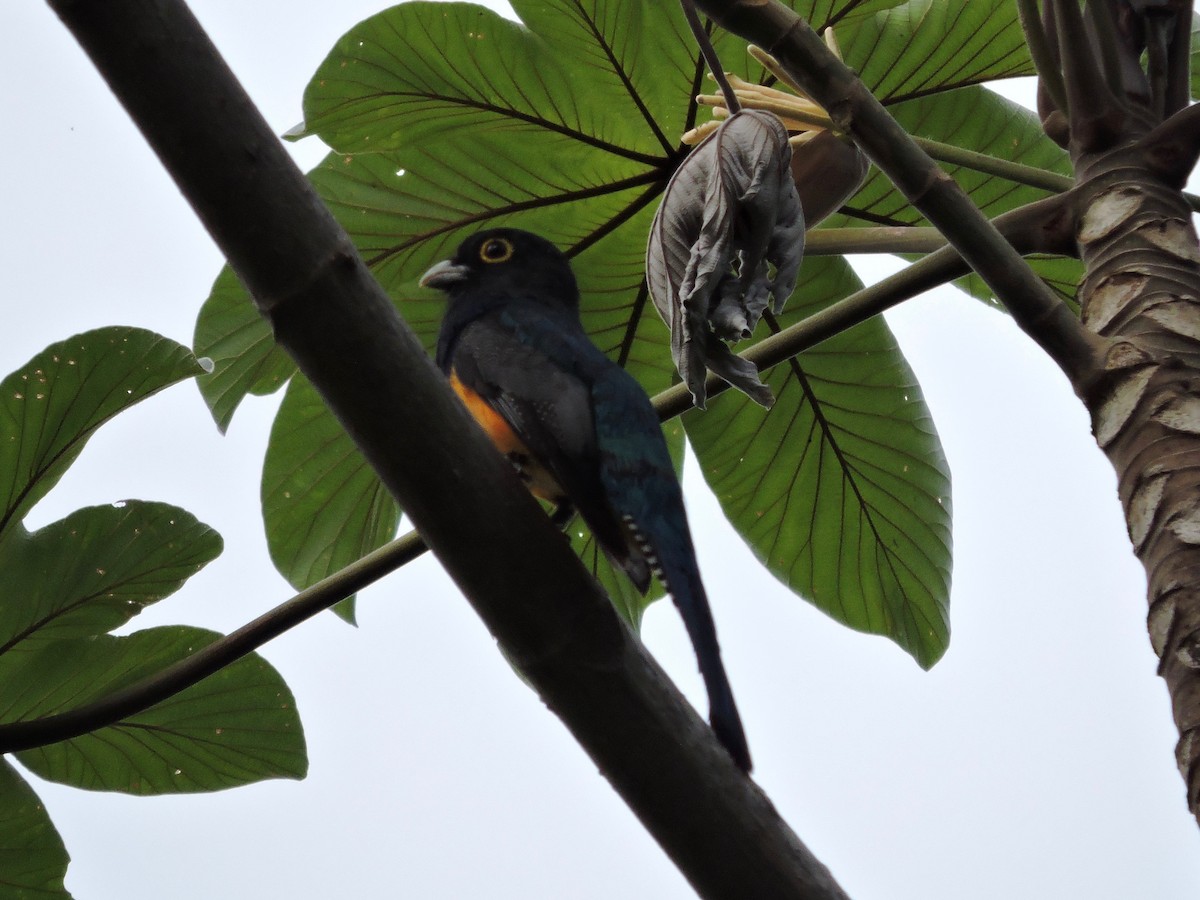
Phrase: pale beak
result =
(444, 275)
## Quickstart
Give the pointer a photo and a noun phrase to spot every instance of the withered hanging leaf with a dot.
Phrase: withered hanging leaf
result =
(729, 214)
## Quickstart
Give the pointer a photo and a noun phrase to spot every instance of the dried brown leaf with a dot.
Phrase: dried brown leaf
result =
(730, 217)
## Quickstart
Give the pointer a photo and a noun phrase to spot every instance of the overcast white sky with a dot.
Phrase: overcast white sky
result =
(1035, 761)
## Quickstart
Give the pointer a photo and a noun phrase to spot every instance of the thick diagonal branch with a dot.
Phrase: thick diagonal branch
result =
(339, 326)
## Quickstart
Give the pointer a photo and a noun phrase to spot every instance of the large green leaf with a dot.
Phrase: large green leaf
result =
(72, 581)
(238, 342)
(50, 406)
(446, 119)
(928, 46)
(840, 488)
(323, 505)
(380, 89)
(94, 570)
(235, 727)
(578, 76)
(33, 859)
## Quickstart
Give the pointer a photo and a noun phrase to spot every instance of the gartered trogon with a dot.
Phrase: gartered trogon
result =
(579, 429)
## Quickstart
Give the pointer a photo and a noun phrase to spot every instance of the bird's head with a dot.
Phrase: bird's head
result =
(506, 263)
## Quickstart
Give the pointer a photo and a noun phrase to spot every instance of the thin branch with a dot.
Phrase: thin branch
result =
(1081, 71)
(152, 689)
(1101, 24)
(1091, 104)
(1011, 171)
(709, 52)
(878, 239)
(993, 165)
(1179, 60)
(1045, 57)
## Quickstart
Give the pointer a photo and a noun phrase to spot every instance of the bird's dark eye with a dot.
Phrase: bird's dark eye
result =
(496, 250)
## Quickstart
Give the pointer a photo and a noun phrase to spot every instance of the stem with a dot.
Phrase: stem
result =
(992, 165)
(1179, 58)
(1156, 64)
(1045, 60)
(1100, 16)
(709, 52)
(881, 239)
(1088, 97)
(1016, 172)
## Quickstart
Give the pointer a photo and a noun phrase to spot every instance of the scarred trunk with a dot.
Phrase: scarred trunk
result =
(1142, 290)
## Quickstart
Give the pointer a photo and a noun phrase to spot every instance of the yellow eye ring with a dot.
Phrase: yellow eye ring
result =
(496, 250)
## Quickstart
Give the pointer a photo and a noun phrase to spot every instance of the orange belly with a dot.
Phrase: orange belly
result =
(492, 422)
(539, 479)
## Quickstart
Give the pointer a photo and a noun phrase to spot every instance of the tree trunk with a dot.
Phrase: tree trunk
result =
(1142, 291)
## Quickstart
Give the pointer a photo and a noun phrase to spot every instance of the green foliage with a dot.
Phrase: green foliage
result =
(322, 504)
(1195, 61)
(926, 47)
(235, 727)
(33, 860)
(51, 405)
(241, 347)
(444, 118)
(848, 458)
(70, 583)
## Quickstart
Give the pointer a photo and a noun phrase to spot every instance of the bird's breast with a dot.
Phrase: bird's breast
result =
(539, 479)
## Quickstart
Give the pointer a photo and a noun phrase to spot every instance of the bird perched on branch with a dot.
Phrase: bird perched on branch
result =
(579, 429)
